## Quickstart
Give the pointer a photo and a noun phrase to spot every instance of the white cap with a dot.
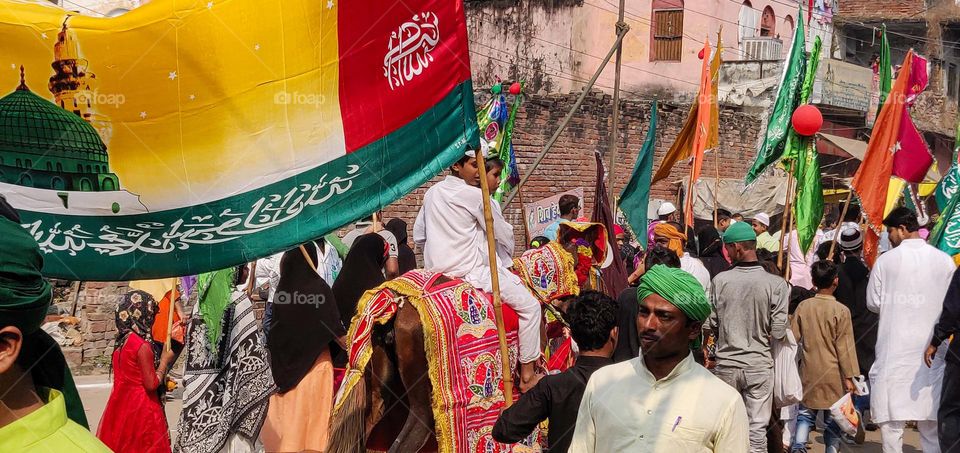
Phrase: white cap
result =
(484, 147)
(666, 208)
(762, 218)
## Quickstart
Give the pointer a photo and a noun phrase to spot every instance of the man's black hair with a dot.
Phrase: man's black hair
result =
(568, 203)
(463, 160)
(592, 315)
(659, 254)
(902, 217)
(494, 162)
(824, 273)
(824, 249)
(723, 214)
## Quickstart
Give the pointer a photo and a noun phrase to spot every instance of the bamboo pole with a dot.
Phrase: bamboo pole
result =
(786, 213)
(566, 119)
(252, 279)
(166, 341)
(716, 190)
(843, 213)
(495, 283)
(306, 256)
(787, 270)
(615, 121)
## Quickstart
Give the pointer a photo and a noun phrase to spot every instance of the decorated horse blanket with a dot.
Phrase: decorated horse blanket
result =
(549, 272)
(460, 338)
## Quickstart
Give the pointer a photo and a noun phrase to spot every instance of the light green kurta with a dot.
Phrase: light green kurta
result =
(49, 430)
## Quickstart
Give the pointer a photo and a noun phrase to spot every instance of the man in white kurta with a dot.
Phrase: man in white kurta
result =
(906, 288)
(450, 231)
(662, 401)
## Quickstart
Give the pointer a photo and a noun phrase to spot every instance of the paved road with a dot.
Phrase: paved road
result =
(95, 390)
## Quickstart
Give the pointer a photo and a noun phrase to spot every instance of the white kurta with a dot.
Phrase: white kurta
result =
(906, 288)
(452, 217)
(695, 267)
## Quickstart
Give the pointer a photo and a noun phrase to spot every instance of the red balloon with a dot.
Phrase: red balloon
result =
(807, 120)
(515, 88)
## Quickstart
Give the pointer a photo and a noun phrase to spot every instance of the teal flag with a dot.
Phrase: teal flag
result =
(636, 194)
(946, 233)
(948, 185)
(774, 139)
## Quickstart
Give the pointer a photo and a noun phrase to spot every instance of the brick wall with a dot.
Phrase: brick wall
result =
(571, 162)
(880, 9)
(96, 305)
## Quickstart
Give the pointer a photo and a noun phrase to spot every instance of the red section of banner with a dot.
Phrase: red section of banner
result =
(397, 59)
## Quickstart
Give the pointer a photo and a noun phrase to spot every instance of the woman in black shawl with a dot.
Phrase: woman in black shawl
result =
(407, 259)
(305, 324)
(710, 250)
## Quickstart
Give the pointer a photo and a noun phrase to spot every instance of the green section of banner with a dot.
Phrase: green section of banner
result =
(775, 136)
(946, 234)
(635, 197)
(264, 221)
(885, 68)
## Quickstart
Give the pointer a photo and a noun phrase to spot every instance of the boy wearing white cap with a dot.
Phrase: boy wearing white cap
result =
(765, 240)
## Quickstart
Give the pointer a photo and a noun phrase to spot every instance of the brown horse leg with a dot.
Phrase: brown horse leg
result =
(414, 373)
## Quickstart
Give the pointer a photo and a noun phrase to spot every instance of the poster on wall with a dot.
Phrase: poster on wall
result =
(541, 213)
(184, 137)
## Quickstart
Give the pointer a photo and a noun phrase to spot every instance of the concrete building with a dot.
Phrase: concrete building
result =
(556, 45)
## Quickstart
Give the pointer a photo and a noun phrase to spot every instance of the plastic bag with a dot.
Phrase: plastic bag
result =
(845, 415)
(787, 386)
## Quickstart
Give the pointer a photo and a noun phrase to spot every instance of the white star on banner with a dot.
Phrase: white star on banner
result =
(43, 35)
(143, 115)
(329, 4)
(192, 97)
(209, 5)
(173, 75)
(896, 147)
(256, 46)
(13, 66)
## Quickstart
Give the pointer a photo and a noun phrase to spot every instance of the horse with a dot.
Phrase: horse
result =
(393, 391)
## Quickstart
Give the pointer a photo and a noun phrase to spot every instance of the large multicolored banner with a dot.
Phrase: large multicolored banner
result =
(187, 136)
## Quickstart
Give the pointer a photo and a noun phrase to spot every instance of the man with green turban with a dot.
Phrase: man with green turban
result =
(40, 408)
(662, 399)
(749, 309)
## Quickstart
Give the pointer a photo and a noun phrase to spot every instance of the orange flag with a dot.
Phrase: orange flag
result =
(702, 130)
(682, 148)
(872, 178)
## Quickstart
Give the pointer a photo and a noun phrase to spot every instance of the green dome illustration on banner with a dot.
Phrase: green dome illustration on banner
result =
(46, 147)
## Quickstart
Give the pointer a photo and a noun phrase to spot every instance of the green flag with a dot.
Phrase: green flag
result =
(808, 207)
(774, 138)
(885, 69)
(795, 143)
(636, 194)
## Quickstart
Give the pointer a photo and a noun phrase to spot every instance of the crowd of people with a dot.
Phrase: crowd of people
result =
(686, 358)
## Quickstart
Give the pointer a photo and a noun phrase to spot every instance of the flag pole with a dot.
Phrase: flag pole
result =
(843, 213)
(523, 218)
(786, 213)
(566, 120)
(716, 190)
(786, 273)
(615, 121)
(495, 282)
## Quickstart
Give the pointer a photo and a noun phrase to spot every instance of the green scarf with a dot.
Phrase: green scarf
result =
(24, 299)
(215, 290)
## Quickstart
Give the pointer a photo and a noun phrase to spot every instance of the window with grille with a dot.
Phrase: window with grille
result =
(667, 35)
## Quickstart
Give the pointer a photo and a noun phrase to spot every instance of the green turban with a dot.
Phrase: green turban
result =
(24, 295)
(739, 232)
(678, 287)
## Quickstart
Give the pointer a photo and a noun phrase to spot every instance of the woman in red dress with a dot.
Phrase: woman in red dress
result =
(134, 420)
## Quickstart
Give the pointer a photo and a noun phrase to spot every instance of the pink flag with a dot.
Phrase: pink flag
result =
(911, 157)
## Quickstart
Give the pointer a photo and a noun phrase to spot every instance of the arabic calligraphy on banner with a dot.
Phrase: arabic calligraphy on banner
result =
(185, 137)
